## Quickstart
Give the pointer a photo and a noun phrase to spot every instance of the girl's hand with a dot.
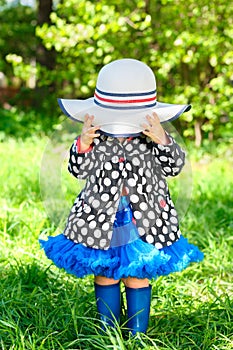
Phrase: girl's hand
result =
(155, 130)
(88, 132)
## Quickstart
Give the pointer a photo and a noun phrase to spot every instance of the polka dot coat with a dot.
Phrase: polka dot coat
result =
(138, 165)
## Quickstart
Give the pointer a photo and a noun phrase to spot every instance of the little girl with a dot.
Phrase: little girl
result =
(123, 225)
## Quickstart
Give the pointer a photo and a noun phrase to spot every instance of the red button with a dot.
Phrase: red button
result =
(162, 203)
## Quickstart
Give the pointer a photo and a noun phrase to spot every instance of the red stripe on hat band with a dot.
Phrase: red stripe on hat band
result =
(124, 101)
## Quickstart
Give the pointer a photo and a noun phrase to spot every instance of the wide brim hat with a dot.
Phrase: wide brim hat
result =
(125, 94)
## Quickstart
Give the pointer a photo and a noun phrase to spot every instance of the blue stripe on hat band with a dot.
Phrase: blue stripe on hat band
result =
(125, 94)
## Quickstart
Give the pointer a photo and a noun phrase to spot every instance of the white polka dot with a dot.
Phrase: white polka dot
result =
(106, 226)
(103, 243)
(150, 239)
(101, 218)
(134, 198)
(163, 158)
(129, 147)
(141, 231)
(110, 211)
(144, 181)
(115, 159)
(165, 215)
(107, 181)
(141, 171)
(142, 147)
(71, 235)
(114, 190)
(165, 230)
(137, 215)
(87, 209)
(140, 189)
(75, 169)
(159, 222)
(80, 223)
(146, 223)
(92, 178)
(161, 191)
(80, 238)
(169, 243)
(174, 228)
(105, 197)
(97, 233)
(149, 188)
(103, 148)
(173, 212)
(167, 169)
(154, 231)
(131, 182)
(91, 198)
(108, 166)
(73, 160)
(143, 206)
(84, 231)
(179, 161)
(161, 183)
(173, 220)
(115, 174)
(172, 236)
(116, 197)
(128, 166)
(158, 245)
(135, 161)
(90, 241)
(71, 217)
(90, 217)
(96, 203)
(151, 215)
(75, 228)
(92, 224)
(162, 238)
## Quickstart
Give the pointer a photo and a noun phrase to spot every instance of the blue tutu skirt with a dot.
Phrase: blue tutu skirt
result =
(127, 256)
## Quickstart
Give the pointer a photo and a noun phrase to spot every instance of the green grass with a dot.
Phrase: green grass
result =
(41, 307)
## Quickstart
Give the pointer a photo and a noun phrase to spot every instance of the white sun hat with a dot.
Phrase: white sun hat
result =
(125, 93)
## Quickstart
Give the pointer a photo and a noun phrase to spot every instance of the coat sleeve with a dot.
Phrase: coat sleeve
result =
(170, 157)
(79, 163)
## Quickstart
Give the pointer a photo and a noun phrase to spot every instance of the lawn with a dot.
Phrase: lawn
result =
(42, 307)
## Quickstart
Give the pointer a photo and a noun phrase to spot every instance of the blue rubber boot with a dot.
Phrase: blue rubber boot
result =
(108, 301)
(138, 307)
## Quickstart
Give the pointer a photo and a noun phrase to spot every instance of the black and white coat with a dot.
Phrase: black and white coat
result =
(139, 165)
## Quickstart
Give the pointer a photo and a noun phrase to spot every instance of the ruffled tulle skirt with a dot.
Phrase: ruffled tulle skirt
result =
(127, 256)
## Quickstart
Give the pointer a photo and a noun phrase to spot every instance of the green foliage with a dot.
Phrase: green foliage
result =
(17, 37)
(43, 308)
(188, 44)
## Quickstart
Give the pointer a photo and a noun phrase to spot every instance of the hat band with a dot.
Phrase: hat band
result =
(124, 101)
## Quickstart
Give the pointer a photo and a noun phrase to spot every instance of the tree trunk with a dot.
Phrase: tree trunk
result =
(198, 136)
(44, 57)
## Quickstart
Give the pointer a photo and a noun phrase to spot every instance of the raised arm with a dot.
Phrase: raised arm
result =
(80, 158)
(168, 153)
